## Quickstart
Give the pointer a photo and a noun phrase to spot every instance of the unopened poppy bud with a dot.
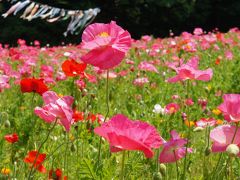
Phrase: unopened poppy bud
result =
(7, 124)
(84, 92)
(157, 176)
(93, 149)
(54, 138)
(208, 150)
(73, 147)
(163, 169)
(232, 150)
(198, 129)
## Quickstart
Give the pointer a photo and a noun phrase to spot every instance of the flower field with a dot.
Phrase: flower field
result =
(117, 108)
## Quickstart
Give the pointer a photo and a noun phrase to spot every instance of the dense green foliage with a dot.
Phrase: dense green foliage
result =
(140, 17)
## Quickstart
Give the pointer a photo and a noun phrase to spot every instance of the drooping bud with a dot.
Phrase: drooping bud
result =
(208, 150)
(157, 176)
(73, 148)
(198, 129)
(163, 169)
(7, 124)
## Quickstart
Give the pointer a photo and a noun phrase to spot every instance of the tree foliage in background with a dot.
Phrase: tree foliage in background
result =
(140, 17)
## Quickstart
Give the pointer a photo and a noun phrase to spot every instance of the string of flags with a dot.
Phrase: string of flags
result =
(32, 10)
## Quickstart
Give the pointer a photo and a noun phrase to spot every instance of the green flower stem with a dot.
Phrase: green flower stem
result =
(229, 161)
(176, 164)
(188, 136)
(65, 155)
(107, 103)
(216, 168)
(235, 132)
(122, 165)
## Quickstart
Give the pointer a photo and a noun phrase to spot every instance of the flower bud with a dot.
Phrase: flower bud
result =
(163, 169)
(73, 147)
(232, 149)
(208, 150)
(198, 129)
(7, 124)
(157, 176)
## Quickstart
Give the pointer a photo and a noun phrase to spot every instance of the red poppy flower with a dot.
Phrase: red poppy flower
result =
(91, 117)
(11, 138)
(36, 159)
(218, 60)
(55, 175)
(78, 116)
(33, 85)
(72, 68)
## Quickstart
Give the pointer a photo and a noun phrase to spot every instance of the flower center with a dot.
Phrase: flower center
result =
(172, 109)
(103, 34)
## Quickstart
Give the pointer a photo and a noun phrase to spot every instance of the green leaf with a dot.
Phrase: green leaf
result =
(86, 169)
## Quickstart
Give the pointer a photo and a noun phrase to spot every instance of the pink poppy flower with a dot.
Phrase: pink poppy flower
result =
(129, 61)
(204, 122)
(205, 45)
(198, 31)
(56, 107)
(124, 134)
(81, 84)
(21, 42)
(107, 44)
(216, 47)
(191, 46)
(190, 71)
(46, 71)
(174, 149)
(231, 107)
(123, 73)
(111, 75)
(189, 102)
(172, 108)
(222, 137)
(60, 76)
(5, 68)
(140, 81)
(146, 38)
(211, 38)
(36, 43)
(203, 103)
(175, 96)
(229, 55)
(4, 82)
(145, 66)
